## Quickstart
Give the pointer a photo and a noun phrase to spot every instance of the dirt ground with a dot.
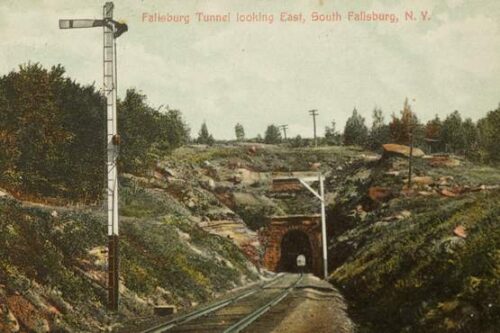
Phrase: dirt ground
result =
(314, 307)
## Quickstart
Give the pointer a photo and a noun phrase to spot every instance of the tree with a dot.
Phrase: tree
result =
(240, 132)
(204, 137)
(471, 136)
(332, 137)
(433, 128)
(355, 131)
(272, 135)
(432, 131)
(173, 128)
(53, 134)
(489, 136)
(33, 128)
(379, 133)
(297, 142)
(452, 133)
(147, 133)
(401, 128)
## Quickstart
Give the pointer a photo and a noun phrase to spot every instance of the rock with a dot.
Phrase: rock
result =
(369, 158)
(460, 231)
(158, 175)
(426, 193)
(450, 244)
(488, 187)
(401, 150)
(164, 310)
(448, 193)
(314, 166)
(41, 326)
(443, 161)
(445, 180)
(234, 164)
(405, 213)
(252, 149)
(422, 180)
(377, 193)
(27, 314)
(2, 193)
(8, 322)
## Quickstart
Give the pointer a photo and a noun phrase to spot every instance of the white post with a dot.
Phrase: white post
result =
(323, 227)
(110, 93)
(111, 31)
(109, 57)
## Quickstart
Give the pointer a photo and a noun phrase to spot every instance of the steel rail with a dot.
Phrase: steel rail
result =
(207, 309)
(252, 317)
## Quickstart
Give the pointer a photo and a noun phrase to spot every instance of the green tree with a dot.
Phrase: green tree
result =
(272, 135)
(297, 142)
(204, 137)
(32, 123)
(401, 128)
(332, 137)
(489, 136)
(355, 131)
(138, 131)
(240, 132)
(379, 133)
(52, 134)
(432, 134)
(471, 136)
(452, 133)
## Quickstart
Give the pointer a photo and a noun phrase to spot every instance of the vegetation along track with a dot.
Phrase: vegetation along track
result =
(233, 314)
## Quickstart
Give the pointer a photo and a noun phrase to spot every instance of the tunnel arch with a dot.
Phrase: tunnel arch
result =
(285, 235)
(294, 243)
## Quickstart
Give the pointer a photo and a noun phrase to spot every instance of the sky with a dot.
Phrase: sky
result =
(261, 73)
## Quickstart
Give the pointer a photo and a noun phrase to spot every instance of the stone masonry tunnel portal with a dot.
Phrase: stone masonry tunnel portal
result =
(293, 244)
(286, 237)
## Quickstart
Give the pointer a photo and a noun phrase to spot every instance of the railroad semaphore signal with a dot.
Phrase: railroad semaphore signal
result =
(111, 31)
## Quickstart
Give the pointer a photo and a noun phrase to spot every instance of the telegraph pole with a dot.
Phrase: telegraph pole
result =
(314, 113)
(410, 158)
(284, 128)
(411, 139)
(111, 31)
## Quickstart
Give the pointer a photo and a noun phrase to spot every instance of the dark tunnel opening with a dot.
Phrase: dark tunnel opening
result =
(293, 244)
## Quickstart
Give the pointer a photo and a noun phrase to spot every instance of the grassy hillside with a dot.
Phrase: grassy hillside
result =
(186, 236)
(53, 262)
(406, 267)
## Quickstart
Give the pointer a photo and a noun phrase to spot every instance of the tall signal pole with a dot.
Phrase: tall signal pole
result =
(323, 226)
(314, 113)
(284, 128)
(111, 31)
(321, 197)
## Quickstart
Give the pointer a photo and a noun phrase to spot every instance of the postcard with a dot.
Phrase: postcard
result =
(249, 166)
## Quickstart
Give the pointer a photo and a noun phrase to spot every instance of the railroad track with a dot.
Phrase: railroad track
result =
(233, 314)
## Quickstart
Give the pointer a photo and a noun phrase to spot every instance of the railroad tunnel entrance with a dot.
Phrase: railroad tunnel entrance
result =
(285, 237)
(293, 244)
